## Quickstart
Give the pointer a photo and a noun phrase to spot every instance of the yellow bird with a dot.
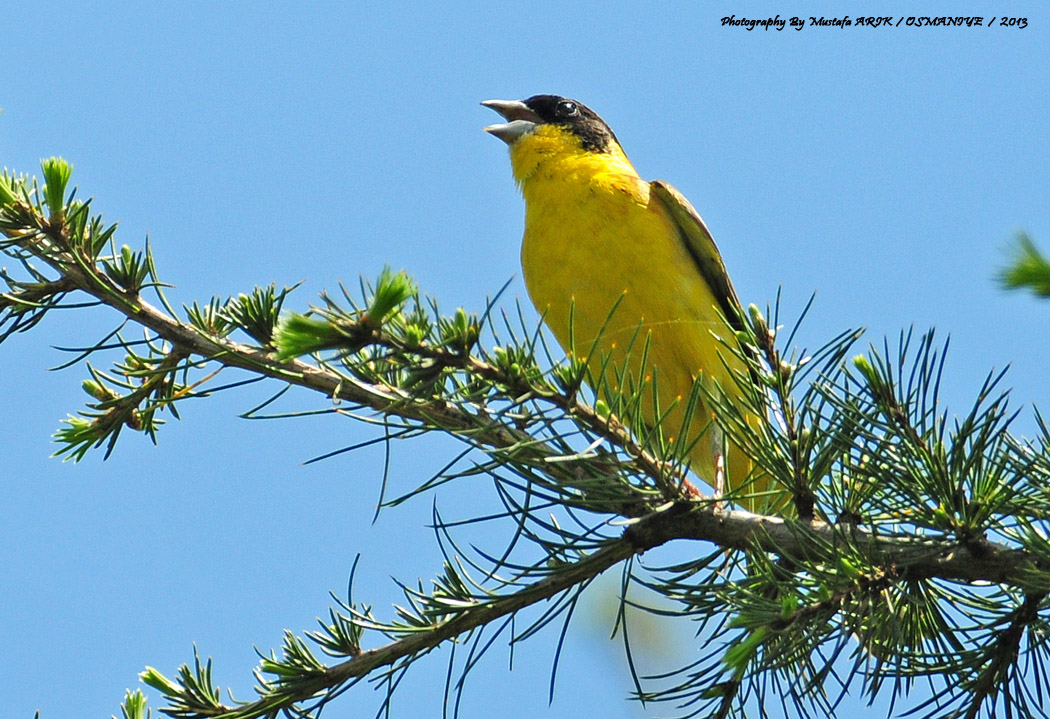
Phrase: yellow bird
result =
(599, 237)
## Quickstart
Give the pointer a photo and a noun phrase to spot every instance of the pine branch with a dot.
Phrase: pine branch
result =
(1003, 654)
(427, 638)
(984, 561)
(1028, 268)
(51, 242)
(917, 535)
(905, 558)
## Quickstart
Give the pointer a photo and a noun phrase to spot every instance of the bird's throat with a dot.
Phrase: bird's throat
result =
(552, 152)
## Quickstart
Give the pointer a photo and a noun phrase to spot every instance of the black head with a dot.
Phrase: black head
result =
(579, 119)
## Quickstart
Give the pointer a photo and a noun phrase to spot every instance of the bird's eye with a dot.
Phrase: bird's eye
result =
(567, 108)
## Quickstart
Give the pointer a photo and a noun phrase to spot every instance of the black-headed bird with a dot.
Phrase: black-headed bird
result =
(620, 265)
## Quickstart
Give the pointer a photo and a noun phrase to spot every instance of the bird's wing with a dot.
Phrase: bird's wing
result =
(701, 246)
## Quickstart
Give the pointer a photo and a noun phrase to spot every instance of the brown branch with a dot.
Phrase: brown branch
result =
(1004, 653)
(52, 245)
(908, 557)
(911, 557)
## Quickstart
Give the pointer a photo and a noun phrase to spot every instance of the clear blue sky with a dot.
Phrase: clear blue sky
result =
(883, 169)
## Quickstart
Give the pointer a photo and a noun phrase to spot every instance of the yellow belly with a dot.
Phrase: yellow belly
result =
(593, 245)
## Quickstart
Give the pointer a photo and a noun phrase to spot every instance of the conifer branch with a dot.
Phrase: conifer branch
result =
(910, 535)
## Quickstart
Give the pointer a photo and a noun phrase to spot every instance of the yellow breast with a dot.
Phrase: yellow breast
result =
(594, 240)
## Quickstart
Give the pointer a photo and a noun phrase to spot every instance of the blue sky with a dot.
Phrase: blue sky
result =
(884, 169)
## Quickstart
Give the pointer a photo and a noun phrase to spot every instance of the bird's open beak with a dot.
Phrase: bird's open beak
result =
(521, 120)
